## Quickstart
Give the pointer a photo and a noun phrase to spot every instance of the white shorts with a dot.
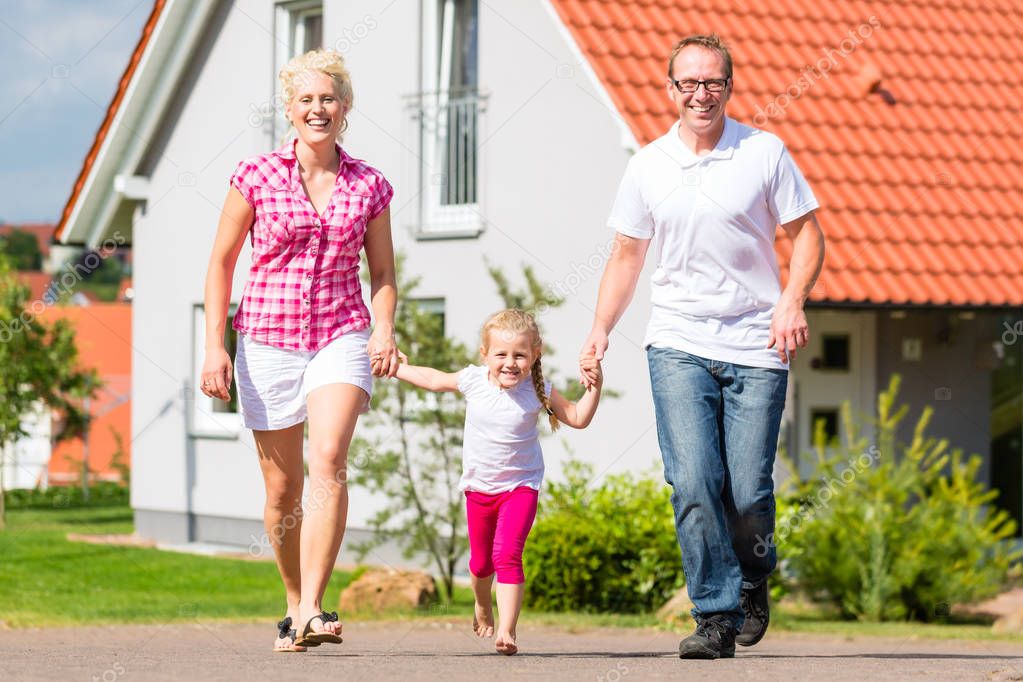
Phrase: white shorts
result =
(273, 383)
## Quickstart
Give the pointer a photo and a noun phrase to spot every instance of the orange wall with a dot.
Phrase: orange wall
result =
(103, 337)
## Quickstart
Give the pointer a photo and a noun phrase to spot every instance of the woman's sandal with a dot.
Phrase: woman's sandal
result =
(312, 637)
(285, 631)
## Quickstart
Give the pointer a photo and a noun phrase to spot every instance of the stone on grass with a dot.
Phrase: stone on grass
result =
(676, 611)
(388, 590)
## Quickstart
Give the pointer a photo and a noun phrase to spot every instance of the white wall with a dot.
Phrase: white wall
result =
(26, 460)
(553, 159)
(201, 144)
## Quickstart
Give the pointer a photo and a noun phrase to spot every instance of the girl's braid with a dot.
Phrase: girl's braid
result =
(537, 372)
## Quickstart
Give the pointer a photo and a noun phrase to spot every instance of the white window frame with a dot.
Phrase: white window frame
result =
(289, 34)
(204, 422)
(437, 306)
(439, 220)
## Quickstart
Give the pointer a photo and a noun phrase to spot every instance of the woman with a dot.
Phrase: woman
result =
(304, 343)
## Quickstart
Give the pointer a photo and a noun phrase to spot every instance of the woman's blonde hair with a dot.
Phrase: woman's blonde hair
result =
(327, 62)
(518, 322)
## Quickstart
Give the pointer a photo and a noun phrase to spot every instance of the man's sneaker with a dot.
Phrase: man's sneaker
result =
(754, 603)
(714, 638)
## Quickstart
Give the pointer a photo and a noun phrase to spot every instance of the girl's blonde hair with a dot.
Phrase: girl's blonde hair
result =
(518, 321)
(327, 62)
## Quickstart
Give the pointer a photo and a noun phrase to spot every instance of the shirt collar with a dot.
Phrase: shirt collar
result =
(687, 158)
(286, 153)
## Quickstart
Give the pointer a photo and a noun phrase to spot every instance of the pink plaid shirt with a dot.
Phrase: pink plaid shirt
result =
(303, 289)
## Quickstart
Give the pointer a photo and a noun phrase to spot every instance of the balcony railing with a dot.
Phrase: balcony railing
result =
(448, 128)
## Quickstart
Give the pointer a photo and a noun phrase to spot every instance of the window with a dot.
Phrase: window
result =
(835, 355)
(1007, 416)
(448, 115)
(211, 417)
(435, 307)
(434, 328)
(298, 28)
(828, 417)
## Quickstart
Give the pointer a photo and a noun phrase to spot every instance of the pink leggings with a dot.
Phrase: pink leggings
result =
(498, 526)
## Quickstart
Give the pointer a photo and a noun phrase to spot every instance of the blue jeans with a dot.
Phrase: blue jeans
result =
(717, 425)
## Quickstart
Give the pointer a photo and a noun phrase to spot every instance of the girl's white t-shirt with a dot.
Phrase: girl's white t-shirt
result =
(501, 445)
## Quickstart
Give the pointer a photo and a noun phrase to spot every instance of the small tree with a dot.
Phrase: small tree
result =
(894, 530)
(22, 249)
(415, 456)
(38, 363)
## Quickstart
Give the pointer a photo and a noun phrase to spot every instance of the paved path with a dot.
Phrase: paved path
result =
(424, 650)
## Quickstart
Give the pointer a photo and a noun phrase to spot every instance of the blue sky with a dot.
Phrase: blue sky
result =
(61, 61)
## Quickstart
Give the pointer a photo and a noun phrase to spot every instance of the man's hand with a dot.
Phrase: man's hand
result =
(593, 349)
(789, 329)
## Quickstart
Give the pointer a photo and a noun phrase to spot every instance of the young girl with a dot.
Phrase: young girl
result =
(502, 464)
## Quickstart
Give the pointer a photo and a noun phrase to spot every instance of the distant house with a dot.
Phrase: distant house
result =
(53, 255)
(505, 128)
(38, 283)
(103, 339)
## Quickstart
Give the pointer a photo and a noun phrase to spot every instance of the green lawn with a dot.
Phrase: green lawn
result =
(47, 581)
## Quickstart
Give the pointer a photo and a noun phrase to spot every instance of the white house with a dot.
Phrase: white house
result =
(505, 128)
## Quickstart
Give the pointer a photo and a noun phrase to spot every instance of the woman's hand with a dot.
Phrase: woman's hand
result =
(383, 353)
(217, 372)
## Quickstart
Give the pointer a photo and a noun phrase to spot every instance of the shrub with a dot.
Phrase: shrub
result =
(606, 549)
(102, 494)
(893, 530)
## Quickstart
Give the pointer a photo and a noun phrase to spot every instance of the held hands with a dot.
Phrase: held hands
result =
(217, 372)
(789, 329)
(589, 366)
(592, 353)
(383, 352)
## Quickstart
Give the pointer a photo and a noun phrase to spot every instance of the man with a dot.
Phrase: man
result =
(708, 195)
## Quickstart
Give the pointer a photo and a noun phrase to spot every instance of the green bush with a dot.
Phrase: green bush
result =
(894, 530)
(103, 494)
(605, 549)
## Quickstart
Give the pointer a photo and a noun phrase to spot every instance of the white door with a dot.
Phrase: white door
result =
(838, 365)
(25, 462)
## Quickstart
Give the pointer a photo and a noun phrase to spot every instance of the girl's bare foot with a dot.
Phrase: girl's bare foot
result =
(483, 620)
(505, 644)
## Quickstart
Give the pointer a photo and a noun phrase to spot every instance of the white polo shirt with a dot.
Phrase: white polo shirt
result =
(712, 220)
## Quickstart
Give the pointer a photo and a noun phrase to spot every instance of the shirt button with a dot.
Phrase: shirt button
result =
(309, 276)
(313, 252)
(305, 326)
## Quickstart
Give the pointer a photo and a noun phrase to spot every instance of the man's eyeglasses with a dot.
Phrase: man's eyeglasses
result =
(710, 85)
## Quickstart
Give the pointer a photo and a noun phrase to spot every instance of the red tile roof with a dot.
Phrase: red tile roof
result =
(920, 181)
(37, 283)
